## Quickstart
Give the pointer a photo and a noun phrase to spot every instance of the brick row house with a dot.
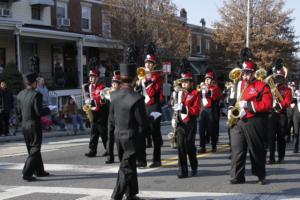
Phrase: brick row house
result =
(62, 37)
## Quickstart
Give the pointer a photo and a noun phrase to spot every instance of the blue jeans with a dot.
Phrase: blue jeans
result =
(77, 119)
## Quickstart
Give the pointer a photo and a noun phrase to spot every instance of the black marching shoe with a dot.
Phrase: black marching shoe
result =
(194, 172)
(29, 178)
(155, 164)
(182, 175)
(214, 150)
(271, 161)
(104, 154)
(202, 150)
(109, 161)
(141, 164)
(280, 160)
(296, 150)
(42, 174)
(262, 181)
(91, 154)
(237, 181)
(133, 198)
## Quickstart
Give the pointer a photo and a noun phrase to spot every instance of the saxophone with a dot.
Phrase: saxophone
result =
(88, 111)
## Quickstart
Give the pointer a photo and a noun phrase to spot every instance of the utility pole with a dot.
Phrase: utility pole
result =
(248, 24)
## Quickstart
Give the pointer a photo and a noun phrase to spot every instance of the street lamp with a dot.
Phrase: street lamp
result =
(248, 23)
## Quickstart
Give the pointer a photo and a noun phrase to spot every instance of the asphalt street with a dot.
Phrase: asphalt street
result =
(74, 176)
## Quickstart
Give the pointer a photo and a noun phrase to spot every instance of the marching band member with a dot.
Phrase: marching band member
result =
(188, 110)
(151, 87)
(99, 108)
(210, 95)
(296, 121)
(277, 122)
(290, 113)
(254, 101)
(115, 85)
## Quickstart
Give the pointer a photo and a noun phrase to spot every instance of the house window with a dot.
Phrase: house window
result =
(86, 18)
(36, 12)
(2, 59)
(106, 25)
(199, 48)
(62, 10)
(207, 45)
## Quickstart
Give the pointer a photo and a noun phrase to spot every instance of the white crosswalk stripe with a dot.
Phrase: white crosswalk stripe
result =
(103, 194)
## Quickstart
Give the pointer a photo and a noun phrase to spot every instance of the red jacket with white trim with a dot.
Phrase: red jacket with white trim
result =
(95, 90)
(153, 87)
(214, 93)
(259, 98)
(286, 94)
(190, 105)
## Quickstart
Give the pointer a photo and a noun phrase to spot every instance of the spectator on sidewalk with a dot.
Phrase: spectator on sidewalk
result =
(70, 111)
(6, 105)
(42, 88)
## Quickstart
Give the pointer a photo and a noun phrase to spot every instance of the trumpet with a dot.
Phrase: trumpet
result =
(142, 72)
(88, 111)
(105, 93)
(201, 87)
(235, 74)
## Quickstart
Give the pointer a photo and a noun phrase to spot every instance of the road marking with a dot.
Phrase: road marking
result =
(103, 194)
(174, 160)
(72, 168)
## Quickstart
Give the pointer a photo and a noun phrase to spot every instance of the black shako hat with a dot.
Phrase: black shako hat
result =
(30, 77)
(128, 70)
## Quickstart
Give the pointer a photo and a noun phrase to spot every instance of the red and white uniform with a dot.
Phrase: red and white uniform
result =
(213, 93)
(190, 105)
(258, 97)
(152, 89)
(286, 93)
(94, 91)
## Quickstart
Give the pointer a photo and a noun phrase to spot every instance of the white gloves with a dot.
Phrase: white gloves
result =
(87, 101)
(173, 123)
(177, 107)
(243, 104)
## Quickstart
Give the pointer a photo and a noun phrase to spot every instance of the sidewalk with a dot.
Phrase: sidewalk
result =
(55, 133)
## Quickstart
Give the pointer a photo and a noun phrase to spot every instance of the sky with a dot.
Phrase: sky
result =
(208, 9)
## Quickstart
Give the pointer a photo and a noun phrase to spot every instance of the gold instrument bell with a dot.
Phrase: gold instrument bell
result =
(141, 72)
(235, 74)
(260, 74)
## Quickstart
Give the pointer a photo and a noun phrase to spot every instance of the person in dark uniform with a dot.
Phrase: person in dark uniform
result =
(127, 119)
(208, 120)
(6, 105)
(296, 120)
(99, 107)
(115, 85)
(277, 124)
(30, 110)
(188, 109)
(254, 102)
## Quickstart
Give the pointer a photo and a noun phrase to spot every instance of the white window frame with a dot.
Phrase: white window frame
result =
(106, 15)
(90, 17)
(199, 43)
(63, 4)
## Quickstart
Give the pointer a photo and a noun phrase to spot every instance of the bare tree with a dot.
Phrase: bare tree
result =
(272, 35)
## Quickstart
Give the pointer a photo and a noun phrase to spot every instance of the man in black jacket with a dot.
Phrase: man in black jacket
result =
(127, 120)
(30, 110)
(6, 105)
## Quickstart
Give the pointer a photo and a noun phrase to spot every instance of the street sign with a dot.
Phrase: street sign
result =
(166, 67)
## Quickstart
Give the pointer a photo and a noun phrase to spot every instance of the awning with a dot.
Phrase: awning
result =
(42, 2)
(99, 42)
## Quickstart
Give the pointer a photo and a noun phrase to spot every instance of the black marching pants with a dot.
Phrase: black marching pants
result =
(208, 126)
(157, 139)
(277, 127)
(127, 182)
(98, 130)
(296, 121)
(185, 134)
(248, 134)
(33, 138)
(4, 122)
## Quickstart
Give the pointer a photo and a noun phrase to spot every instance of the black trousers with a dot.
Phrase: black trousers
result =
(127, 182)
(33, 138)
(98, 130)
(277, 128)
(248, 134)
(4, 122)
(141, 148)
(208, 127)
(110, 146)
(157, 139)
(296, 121)
(185, 134)
(290, 124)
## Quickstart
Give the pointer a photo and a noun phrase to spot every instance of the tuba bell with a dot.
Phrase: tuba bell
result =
(235, 74)
(260, 74)
(88, 111)
(141, 72)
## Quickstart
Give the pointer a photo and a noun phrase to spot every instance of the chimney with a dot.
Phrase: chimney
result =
(202, 21)
(183, 13)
